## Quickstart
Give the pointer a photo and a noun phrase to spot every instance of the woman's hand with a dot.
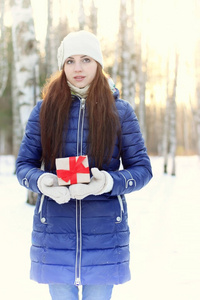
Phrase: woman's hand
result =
(48, 185)
(100, 183)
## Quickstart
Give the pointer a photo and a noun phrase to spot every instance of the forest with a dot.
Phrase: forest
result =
(151, 50)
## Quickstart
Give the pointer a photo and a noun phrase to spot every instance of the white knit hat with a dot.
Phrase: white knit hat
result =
(77, 43)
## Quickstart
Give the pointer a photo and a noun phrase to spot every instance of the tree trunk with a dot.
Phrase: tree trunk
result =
(125, 53)
(125, 57)
(166, 123)
(142, 107)
(25, 58)
(173, 137)
(81, 17)
(93, 18)
(186, 124)
(169, 135)
(17, 128)
(49, 39)
(25, 68)
(3, 51)
(196, 113)
(198, 117)
(133, 60)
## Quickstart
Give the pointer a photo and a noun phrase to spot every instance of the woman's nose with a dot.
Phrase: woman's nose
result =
(77, 67)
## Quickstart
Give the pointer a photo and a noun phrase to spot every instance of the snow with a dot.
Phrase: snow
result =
(164, 220)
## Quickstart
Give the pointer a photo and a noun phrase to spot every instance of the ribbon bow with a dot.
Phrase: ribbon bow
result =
(75, 166)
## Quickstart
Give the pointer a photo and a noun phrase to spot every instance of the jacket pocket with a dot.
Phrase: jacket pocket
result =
(41, 210)
(121, 210)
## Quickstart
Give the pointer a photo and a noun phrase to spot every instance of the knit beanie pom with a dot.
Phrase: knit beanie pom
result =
(77, 43)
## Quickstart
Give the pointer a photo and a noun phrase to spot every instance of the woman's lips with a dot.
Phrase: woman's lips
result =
(79, 78)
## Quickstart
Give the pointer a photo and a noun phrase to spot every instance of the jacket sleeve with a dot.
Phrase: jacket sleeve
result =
(136, 172)
(28, 162)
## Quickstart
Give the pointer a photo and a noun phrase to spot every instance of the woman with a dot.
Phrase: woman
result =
(80, 232)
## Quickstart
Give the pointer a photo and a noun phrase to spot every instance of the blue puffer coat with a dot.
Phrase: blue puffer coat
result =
(87, 241)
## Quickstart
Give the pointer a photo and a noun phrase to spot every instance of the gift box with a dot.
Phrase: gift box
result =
(71, 170)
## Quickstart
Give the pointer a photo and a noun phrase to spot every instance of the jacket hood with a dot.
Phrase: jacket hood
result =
(113, 88)
(116, 94)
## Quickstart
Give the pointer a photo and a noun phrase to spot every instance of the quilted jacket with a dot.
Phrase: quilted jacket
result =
(84, 241)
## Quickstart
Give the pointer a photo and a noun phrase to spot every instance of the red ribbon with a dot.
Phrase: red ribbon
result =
(75, 166)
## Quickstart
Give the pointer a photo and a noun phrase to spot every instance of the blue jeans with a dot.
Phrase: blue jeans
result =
(89, 292)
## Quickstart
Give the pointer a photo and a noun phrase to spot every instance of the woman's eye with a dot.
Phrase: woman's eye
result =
(69, 61)
(87, 60)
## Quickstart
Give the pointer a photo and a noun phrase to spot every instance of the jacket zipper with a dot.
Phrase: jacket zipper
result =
(78, 243)
(80, 127)
(78, 202)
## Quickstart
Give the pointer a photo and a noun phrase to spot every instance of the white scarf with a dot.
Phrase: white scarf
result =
(84, 91)
(77, 91)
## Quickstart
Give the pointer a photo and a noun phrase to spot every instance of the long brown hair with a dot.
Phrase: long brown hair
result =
(104, 125)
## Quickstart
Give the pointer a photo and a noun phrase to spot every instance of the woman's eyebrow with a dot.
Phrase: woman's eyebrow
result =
(81, 56)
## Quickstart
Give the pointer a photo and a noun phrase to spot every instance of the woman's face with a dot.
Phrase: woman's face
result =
(80, 70)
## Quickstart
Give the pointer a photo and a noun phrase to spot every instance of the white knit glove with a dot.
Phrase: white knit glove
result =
(100, 183)
(48, 185)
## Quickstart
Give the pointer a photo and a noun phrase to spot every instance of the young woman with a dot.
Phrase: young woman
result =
(80, 232)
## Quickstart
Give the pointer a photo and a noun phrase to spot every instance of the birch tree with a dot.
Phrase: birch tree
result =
(197, 70)
(196, 112)
(88, 16)
(25, 69)
(81, 17)
(127, 66)
(133, 56)
(93, 17)
(142, 69)
(57, 29)
(124, 50)
(173, 137)
(25, 57)
(55, 34)
(166, 122)
(142, 59)
(169, 136)
(3, 51)
(63, 26)
(4, 69)
(198, 118)
(51, 45)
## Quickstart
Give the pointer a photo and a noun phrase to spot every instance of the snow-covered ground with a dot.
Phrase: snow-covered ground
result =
(164, 219)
